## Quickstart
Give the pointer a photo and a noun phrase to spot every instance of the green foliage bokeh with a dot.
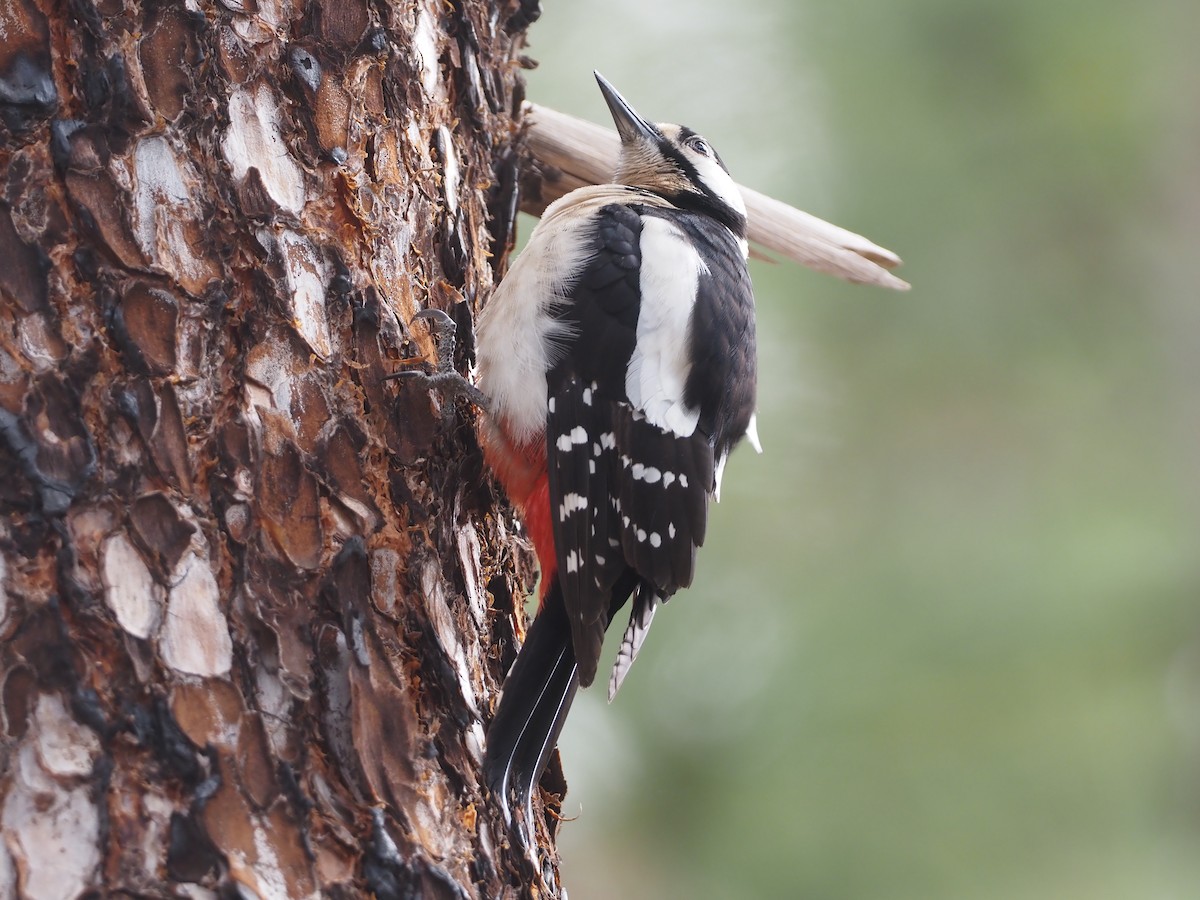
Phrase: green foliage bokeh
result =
(945, 640)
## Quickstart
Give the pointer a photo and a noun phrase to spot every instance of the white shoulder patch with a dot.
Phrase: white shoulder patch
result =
(659, 367)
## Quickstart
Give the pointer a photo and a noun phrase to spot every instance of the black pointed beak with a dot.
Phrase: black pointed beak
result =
(630, 125)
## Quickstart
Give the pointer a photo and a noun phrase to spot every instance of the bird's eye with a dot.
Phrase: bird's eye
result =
(700, 145)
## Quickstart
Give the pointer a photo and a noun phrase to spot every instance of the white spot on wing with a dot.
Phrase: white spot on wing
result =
(573, 502)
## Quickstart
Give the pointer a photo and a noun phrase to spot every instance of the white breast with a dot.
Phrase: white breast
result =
(517, 338)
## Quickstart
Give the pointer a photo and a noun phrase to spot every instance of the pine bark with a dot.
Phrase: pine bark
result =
(255, 600)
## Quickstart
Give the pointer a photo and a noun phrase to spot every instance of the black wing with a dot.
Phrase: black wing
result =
(625, 493)
(723, 380)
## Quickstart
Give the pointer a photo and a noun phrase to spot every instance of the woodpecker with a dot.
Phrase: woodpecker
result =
(618, 358)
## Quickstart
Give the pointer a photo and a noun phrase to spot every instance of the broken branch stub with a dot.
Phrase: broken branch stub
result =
(572, 153)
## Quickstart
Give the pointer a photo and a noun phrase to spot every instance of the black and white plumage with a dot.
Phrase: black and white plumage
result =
(619, 359)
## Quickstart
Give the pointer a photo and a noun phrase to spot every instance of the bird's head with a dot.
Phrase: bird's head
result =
(674, 162)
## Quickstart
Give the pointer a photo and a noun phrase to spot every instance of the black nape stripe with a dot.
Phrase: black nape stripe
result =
(709, 205)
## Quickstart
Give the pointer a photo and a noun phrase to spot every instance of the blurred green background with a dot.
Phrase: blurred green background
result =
(945, 641)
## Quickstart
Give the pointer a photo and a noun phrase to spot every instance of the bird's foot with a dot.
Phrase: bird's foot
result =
(444, 378)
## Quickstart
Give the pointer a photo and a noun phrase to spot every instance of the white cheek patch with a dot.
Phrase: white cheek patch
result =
(660, 364)
(719, 182)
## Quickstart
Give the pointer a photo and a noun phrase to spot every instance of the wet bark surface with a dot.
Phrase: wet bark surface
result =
(255, 599)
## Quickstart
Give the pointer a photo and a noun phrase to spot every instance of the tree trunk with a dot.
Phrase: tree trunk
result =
(255, 600)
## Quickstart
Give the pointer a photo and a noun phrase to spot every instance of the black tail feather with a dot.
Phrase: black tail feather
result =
(537, 697)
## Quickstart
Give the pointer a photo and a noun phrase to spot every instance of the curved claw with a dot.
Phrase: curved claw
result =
(444, 377)
(439, 317)
(443, 330)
